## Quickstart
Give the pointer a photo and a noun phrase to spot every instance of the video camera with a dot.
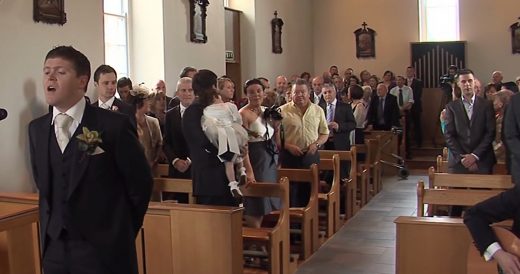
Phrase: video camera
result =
(273, 113)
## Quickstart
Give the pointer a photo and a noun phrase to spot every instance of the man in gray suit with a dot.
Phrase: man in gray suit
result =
(470, 130)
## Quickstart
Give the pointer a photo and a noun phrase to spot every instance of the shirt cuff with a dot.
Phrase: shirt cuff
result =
(175, 160)
(189, 160)
(490, 251)
(476, 157)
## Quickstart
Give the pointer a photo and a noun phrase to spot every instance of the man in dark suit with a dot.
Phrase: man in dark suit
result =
(316, 94)
(94, 186)
(511, 129)
(383, 113)
(341, 122)
(504, 206)
(416, 112)
(105, 81)
(175, 146)
(470, 130)
(210, 184)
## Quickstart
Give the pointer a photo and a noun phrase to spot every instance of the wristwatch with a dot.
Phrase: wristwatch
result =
(318, 146)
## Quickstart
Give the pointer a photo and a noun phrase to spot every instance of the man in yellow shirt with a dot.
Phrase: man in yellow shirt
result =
(305, 131)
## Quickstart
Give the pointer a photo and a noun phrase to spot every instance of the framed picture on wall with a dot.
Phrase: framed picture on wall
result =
(198, 9)
(49, 11)
(515, 37)
(365, 42)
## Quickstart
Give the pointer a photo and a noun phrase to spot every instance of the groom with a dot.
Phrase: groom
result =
(91, 172)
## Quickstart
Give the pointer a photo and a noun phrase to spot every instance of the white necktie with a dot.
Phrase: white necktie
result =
(63, 122)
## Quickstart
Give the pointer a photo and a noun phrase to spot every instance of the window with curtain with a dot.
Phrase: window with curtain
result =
(116, 35)
(439, 20)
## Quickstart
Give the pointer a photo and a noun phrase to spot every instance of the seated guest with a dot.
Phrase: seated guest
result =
(124, 85)
(105, 82)
(148, 129)
(175, 146)
(360, 115)
(305, 131)
(383, 113)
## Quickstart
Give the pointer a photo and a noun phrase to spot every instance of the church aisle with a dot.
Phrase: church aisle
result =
(366, 244)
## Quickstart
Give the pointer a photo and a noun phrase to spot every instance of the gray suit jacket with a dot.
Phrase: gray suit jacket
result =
(464, 136)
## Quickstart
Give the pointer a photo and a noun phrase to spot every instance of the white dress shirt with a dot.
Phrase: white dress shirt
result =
(76, 112)
(108, 104)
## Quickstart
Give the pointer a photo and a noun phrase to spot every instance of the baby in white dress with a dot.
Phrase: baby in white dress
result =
(222, 124)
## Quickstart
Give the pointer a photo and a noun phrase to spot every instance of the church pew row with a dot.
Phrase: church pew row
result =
(306, 217)
(438, 180)
(349, 183)
(442, 164)
(19, 237)
(329, 218)
(275, 239)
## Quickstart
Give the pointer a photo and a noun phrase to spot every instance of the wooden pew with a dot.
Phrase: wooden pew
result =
(161, 170)
(350, 184)
(195, 239)
(428, 245)
(442, 164)
(450, 196)
(306, 216)
(276, 238)
(371, 184)
(330, 198)
(19, 234)
(388, 143)
(445, 180)
(161, 185)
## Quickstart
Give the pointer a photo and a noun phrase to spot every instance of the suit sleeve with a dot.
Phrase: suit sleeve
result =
(371, 111)
(132, 163)
(193, 130)
(490, 131)
(450, 134)
(169, 143)
(496, 209)
(348, 122)
(32, 146)
(511, 130)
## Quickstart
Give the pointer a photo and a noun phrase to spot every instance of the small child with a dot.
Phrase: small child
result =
(222, 124)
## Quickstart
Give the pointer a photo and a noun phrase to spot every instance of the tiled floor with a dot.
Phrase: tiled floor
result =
(366, 244)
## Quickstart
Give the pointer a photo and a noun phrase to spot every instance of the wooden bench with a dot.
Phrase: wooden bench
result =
(161, 185)
(186, 238)
(428, 245)
(450, 196)
(350, 183)
(330, 199)
(19, 236)
(370, 182)
(445, 180)
(306, 216)
(276, 238)
(500, 168)
(161, 170)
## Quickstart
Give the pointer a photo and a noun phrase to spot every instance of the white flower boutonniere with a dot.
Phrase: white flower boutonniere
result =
(89, 141)
(114, 108)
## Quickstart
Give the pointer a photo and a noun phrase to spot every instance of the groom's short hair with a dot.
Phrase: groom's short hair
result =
(79, 60)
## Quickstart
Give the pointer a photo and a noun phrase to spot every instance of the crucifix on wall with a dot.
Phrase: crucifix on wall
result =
(365, 42)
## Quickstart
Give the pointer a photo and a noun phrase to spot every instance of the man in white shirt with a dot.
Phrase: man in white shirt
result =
(404, 95)
(105, 81)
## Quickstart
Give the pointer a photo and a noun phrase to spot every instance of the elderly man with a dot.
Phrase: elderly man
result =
(306, 131)
(281, 88)
(383, 113)
(497, 78)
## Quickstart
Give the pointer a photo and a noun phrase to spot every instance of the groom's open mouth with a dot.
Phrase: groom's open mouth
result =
(51, 88)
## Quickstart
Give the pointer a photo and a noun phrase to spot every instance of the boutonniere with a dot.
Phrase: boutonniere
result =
(114, 108)
(89, 141)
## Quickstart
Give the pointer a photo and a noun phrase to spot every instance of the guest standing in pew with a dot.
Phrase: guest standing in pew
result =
(305, 131)
(470, 130)
(340, 121)
(175, 146)
(262, 160)
(105, 82)
(479, 218)
(210, 184)
(148, 129)
(383, 113)
(91, 172)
